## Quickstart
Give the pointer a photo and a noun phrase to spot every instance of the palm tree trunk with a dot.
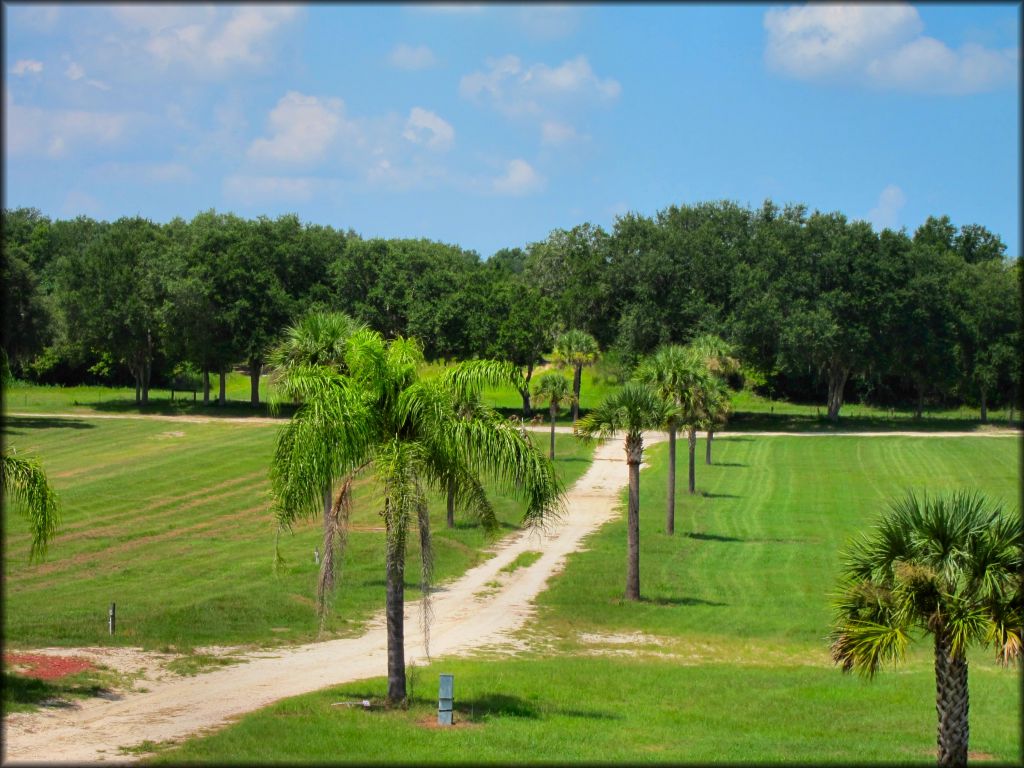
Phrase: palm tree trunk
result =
(255, 368)
(525, 393)
(984, 406)
(836, 382)
(692, 439)
(707, 452)
(634, 455)
(951, 703)
(451, 503)
(577, 378)
(326, 581)
(554, 412)
(222, 397)
(670, 501)
(394, 610)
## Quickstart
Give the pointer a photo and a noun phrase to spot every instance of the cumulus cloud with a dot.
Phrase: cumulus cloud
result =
(24, 67)
(519, 178)
(886, 213)
(208, 39)
(412, 58)
(302, 129)
(881, 45)
(55, 132)
(516, 89)
(424, 127)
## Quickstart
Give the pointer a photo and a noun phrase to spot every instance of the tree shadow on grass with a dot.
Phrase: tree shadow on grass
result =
(729, 464)
(707, 495)
(503, 705)
(16, 425)
(711, 537)
(689, 601)
(24, 690)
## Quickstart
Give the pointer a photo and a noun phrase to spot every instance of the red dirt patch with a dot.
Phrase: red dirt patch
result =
(46, 667)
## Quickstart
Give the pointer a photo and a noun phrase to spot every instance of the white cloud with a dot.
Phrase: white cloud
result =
(412, 57)
(302, 129)
(24, 67)
(515, 89)
(879, 44)
(555, 133)
(34, 131)
(208, 39)
(160, 173)
(519, 179)
(886, 212)
(74, 71)
(424, 127)
(39, 17)
(256, 190)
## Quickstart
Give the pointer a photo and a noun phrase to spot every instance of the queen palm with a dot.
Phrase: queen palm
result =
(949, 566)
(24, 481)
(577, 349)
(678, 375)
(381, 416)
(634, 408)
(553, 388)
(317, 339)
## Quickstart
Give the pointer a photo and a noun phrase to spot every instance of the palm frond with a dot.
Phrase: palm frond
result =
(24, 480)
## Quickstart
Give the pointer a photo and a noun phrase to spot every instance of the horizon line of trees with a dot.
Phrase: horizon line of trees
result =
(817, 306)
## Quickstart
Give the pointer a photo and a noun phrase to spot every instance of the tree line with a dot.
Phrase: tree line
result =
(819, 307)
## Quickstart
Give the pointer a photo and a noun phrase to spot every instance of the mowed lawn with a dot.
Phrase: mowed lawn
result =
(171, 521)
(725, 659)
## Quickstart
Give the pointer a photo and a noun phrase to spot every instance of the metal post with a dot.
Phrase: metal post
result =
(112, 617)
(445, 697)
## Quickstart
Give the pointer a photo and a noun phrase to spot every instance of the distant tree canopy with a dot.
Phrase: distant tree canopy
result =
(820, 307)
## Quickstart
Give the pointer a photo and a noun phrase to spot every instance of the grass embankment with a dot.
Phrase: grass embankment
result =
(171, 521)
(725, 659)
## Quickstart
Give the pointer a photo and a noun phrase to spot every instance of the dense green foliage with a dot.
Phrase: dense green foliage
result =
(818, 307)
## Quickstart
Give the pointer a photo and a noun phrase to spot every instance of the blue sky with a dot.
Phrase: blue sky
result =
(489, 126)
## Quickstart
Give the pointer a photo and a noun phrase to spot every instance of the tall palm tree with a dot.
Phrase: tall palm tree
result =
(24, 481)
(317, 339)
(381, 415)
(949, 566)
(718, 355)
(677, 374)
(554, 388)
(717, 407)
(633, 409)
(577, 349)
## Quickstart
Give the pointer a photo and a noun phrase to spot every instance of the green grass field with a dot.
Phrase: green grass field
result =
(725, 659)
(171, 522)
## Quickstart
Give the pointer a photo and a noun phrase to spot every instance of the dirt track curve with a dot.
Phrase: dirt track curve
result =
(468, 614)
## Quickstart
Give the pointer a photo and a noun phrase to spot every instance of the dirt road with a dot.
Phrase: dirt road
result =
(468, 614)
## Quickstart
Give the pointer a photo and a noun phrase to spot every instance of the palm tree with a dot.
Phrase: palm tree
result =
(25, 482)
(632, 409)
(576, 348)
(317, 339)
(949, 566)
(718, 357)
(381, 415)
(717, 408)
(677, 374)
(554, 388)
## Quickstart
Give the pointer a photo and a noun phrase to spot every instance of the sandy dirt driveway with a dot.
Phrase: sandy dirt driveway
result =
(468, 614)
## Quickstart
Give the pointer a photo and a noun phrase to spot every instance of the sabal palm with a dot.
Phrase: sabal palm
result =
(949, 566)
(381, 415)
(718, 355)
(680, 377)
(318, 338)
(576, 348)
(553, 388)
(24, 481)
(716, 409)
(633, 409)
